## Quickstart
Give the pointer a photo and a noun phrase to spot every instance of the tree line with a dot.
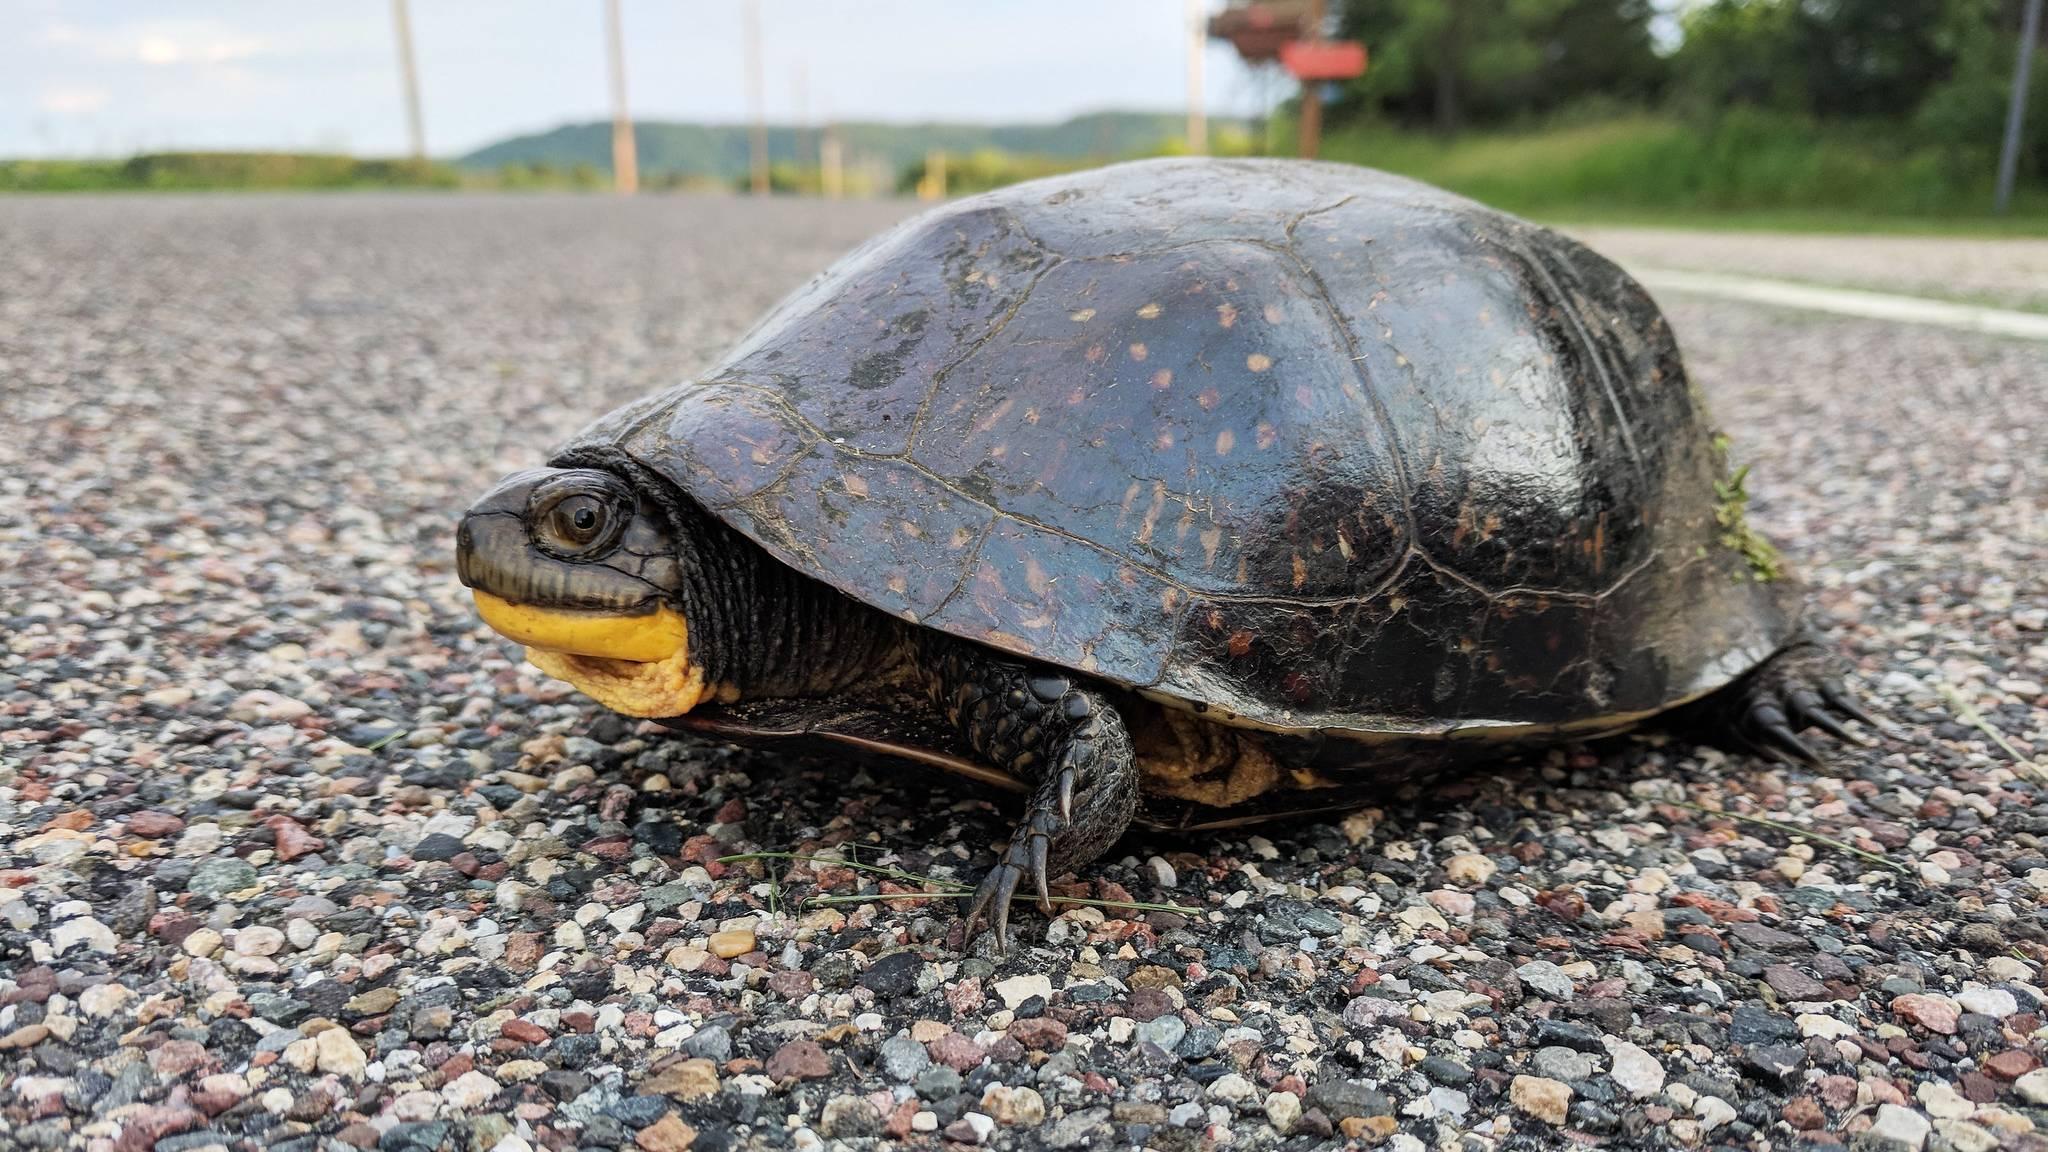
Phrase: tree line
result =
(1935, 71)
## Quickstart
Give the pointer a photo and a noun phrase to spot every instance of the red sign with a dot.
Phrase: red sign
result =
(1323, 59)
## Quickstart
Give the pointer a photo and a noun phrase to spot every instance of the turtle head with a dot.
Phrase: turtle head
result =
(587, 572)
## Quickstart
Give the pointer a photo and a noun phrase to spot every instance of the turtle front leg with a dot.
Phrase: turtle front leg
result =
(1796, 689)
(1043, 727)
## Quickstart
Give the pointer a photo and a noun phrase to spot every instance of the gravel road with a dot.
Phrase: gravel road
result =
(293, 854)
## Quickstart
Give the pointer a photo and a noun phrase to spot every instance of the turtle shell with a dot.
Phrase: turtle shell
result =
(1304, 446)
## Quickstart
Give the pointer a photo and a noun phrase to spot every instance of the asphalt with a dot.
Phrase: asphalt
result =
(294, 854)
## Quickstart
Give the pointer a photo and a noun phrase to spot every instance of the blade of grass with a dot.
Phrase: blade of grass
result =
(1968, 714)
(381, 741)
(877, 870)
(1794, 830)
(947, 887)
(956, 893)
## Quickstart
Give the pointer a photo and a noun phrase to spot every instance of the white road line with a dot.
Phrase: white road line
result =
(1850, 302)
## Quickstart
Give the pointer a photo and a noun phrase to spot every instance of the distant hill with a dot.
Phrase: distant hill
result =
(720, 150)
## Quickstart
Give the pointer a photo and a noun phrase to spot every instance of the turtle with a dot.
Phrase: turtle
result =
(1187, 492)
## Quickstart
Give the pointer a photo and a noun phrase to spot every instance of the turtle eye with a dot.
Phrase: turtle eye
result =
(579, 521)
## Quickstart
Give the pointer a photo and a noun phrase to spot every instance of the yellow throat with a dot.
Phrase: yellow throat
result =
(637, 665)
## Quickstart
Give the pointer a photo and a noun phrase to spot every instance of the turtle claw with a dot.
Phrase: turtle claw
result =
(1811, 710)
(993, 897)
(1028, 855)
(1787, 699)
(1770, 720)
(1842, 702)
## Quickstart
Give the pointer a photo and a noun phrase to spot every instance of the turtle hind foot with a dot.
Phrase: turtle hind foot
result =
(1024, 859)
(1080, 806)
(1048, 729)
(1795, 691)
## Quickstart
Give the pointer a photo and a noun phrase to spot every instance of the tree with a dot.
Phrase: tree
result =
(1837, 59)
(1450, 62)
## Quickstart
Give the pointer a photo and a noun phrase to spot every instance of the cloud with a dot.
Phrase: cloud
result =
(160, 43)
(72, 100)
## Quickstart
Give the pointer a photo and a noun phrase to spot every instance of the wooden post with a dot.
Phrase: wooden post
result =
(830, 179)
(625, 155)
(409, 79)
(1198, 116)
(933, 186)
(1312, 92)
(757, 131)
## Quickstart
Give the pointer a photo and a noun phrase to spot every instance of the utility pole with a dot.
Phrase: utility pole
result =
(1198, 117)
(2016, 111)
(409, 79)
(757, 133)
(625, 156)
(1312, 92)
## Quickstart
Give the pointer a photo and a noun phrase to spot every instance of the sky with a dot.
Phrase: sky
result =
(122, 76)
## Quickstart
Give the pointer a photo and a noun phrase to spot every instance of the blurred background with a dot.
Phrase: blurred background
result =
(1779, 113)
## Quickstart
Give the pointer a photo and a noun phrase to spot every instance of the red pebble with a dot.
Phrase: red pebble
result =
(524, 1031)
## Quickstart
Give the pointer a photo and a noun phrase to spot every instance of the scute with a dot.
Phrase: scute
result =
(1309, 446)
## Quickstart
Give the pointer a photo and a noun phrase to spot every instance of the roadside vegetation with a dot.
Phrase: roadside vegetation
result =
(171, 171)
(1853, 114)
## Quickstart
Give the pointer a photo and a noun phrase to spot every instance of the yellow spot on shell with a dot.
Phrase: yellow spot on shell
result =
(994, 418)
(1274, 314)
(1300, 572)
(1163, 379)
(1225, 441)
(1083, 316)
(855, 485)
(898, 585)
(1149, 312)
(1226, 314)
(1258, 361)
(1139, 352)
(913, 529)
(1152, 514)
